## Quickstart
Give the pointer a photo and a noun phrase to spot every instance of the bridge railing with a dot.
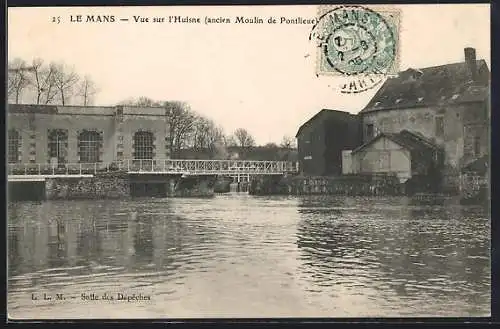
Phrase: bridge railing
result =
(197, 166)
(60, 169)
(155, 166)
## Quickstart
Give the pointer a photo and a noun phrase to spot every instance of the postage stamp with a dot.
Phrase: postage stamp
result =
(358, 43)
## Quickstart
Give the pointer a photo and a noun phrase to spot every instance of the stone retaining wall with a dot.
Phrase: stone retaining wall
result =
(341, 185)
(110, 186)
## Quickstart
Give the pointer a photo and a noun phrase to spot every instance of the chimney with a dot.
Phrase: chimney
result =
(470, 60)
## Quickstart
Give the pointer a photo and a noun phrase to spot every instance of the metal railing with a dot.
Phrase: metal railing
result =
(199, 167)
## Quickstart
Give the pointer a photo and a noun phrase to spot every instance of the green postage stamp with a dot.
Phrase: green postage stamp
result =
(357, 42)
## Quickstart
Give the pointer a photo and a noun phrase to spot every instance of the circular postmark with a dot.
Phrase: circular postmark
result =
(357, 43)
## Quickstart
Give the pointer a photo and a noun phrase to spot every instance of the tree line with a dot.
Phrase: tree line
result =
(48, 83)
(191, 131)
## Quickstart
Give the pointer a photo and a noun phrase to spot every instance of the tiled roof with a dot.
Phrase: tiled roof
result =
(444, 84)
(411, 141)
(479, 165)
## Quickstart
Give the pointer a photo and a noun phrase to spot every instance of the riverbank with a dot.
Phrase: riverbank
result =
(351, 185)
(474, 189)
(112, 186)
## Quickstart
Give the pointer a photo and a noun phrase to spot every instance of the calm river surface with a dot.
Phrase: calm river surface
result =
(242, 256)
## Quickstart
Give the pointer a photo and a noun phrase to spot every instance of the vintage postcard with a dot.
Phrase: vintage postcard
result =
(183, 162)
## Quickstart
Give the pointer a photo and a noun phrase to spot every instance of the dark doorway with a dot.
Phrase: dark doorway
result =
(143, 189)
(26, 191)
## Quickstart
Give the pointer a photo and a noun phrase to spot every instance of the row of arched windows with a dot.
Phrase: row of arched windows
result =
(90, 145)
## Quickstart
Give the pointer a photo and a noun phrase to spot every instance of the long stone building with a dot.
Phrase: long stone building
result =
(76, 134)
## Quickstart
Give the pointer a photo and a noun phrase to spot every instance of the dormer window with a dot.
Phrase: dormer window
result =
(411, 74)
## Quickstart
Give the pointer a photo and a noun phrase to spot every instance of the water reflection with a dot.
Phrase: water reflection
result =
(238, 255)
(406, 253)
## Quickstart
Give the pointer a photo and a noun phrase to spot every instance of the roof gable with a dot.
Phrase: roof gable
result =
(479, 165)
(407, 139)
(323, 115)
(450, 83)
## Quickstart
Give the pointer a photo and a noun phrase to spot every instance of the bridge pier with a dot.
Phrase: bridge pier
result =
(195, 186)
(172, 185)
(26, 191)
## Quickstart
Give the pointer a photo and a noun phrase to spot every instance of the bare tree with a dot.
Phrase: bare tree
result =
(206, 134)
(243, 138)
(87, 90)
(65, 80)
(215, 141)
(18, 78)
(181, 122)
(271, 146)
(288, 142)
(43, 81)
(142, 101)
(229, 141)
(220, 151)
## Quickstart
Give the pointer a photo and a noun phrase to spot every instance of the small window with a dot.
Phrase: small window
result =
(439, 126)
(477, 146)
(369, 131)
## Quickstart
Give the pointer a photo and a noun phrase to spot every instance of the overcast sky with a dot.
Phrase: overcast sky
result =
(260, 77)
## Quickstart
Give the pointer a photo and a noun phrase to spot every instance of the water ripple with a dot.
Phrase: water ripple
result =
(252, 256)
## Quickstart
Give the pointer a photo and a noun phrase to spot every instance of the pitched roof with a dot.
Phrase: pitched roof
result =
(411, 141)
(324, 114)
(479, 165)
(444, 84)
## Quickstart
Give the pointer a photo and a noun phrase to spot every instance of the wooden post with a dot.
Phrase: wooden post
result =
(80, 169)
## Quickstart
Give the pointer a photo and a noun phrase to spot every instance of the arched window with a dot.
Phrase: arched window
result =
(14, 145)
(89, 143)
(58, 145)
(143, 145)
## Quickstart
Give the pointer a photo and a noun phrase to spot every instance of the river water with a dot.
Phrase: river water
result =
(243, 256)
